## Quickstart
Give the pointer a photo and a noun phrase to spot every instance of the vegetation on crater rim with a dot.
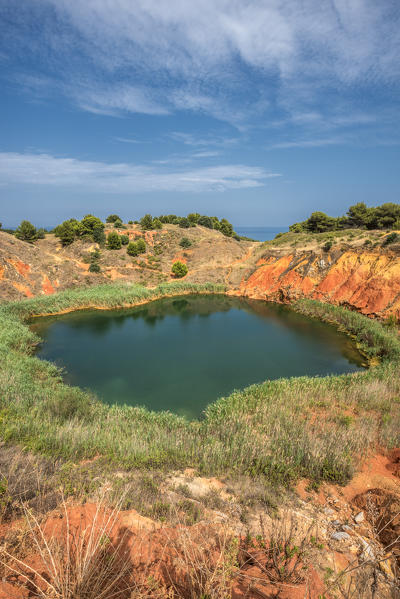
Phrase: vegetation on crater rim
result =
(360, 216)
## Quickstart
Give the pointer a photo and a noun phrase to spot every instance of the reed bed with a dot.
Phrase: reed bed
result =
(317, 427)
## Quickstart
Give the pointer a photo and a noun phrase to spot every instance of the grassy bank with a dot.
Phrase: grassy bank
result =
(314, 427)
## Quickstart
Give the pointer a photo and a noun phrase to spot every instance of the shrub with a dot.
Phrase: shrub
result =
(184, 223)
(89, 223)
(179, 269)
(69, 230)
(114, 241)
(205, 221)
(327, 246)
(132, 249)
(185, 242)
(26, 232)
(141, 245)
(98, 235)
(112, 218)
(193, 217)
(130, 222)
(94, 267)
(65, 232)
(391, 238)
(124, 239)
(118, 224)
(157, 224)
(226, 228)
(146, 222)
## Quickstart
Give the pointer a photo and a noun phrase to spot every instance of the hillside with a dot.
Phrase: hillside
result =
(46, 266)
(353, 268)
(308, 464)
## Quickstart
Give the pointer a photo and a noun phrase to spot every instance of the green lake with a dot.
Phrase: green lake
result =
(182, 353)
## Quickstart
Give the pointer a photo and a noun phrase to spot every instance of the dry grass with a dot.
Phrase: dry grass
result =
(82, 564)
(277, 552)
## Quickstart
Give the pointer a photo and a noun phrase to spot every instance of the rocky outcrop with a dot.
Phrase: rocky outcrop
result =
(368, 281)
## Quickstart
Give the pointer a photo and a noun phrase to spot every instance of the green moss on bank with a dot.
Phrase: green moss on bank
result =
(315, 427)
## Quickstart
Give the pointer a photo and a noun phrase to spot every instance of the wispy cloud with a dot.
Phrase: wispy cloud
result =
(113, 100)
(44, 169)
(190, 139)
(231, 60)
(127, 140)
(311, 143)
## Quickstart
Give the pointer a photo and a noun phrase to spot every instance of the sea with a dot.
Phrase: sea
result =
(260, 233)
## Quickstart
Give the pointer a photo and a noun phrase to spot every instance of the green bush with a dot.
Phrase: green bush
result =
(179, 269)
(157, 224)
(65, 232)
(184, 223)
(124, 239)
(26, 232)
(360, 216)
(141, 245)
(205, 221)
(132, 249)
(185, 242)
(327, 246)
(98, 235)
(89, 223)
(193, 217)
(94, 267)
(114, 241)
(226, 227)
(146, 222)
(112, 218)
(391, 238)
(68, 231)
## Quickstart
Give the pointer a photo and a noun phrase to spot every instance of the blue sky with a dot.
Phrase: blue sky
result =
(257, 110)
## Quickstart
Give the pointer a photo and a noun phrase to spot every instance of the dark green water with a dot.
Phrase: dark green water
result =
(180, 354)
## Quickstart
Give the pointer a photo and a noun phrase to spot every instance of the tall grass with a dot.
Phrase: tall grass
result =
(317, 427)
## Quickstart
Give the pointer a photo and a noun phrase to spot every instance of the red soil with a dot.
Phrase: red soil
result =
(170, 558)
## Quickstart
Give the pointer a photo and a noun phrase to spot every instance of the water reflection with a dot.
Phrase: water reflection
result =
(182, 353)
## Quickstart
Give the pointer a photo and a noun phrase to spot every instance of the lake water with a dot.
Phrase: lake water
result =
(182, 353)
(260, 233)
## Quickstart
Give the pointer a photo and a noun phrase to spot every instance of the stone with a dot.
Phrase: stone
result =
(368, 553)
(341, 536)
(328, 511)
(358, 518)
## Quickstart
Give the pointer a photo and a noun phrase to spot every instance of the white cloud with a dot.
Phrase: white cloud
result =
(189, 139)
(206, 154)
(231, 59)
(44, 169)
(127, 140)
(112, 100)
(311, 143)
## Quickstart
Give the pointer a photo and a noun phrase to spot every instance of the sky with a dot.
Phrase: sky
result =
(260, 111)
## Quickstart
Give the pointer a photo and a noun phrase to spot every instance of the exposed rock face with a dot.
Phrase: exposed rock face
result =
(368, 281)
